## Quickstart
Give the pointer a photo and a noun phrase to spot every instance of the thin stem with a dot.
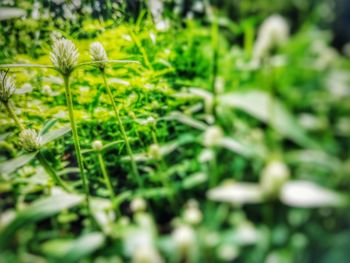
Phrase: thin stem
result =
(107, 179)
(13, 115)
(52, 172)
(122, 130)
(76, 140)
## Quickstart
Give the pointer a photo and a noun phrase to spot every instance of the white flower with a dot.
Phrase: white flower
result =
(307, 194)
(146, 254)
(273, 177)
(184, 238)
(227, 252)
(64, 55)
(138, 205)
(274, 32)
(98, 53)
(155, 151)
(212, 136)
(29, 140)
(237, 193)
(192, 215)
(7, 87)
(97, 145)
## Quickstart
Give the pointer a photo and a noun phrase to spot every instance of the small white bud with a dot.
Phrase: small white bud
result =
(184, 238)
(155, 151)
(212, 136)
(7, 87)
(97, 145)
(98, 53)
(64, 56)
(146, 254)
(29, 140)
(273, 177)
(138, 205)
(193, 215)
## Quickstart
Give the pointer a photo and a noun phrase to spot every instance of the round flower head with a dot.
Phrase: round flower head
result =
(64, 56)
(7, 87)
(30, 140)
(98, 53)
(97, 145)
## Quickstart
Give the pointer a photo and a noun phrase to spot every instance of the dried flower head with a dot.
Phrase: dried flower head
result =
(98, 53)
(30, 140)
(64, 56)
(7, 87)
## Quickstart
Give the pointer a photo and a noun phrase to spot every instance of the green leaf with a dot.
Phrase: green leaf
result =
(53, 135)
(262, 106)
(12, 165)
(47, 126)
(67, 250)
(37, 211)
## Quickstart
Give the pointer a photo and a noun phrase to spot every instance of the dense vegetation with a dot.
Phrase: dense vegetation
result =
(197, 139)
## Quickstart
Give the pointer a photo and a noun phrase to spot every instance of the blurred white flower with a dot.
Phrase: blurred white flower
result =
(7, 87)
(273, 177)
(237, 193)
(307, 194)
(212, 136)
(30, 140)
(64, 55)
(138, 205)
(155, 151)
(192, 215)
(98, 53)
(184, 238)
(273, 32)
(97, 145)
(227, 252)
(206, 155)
(146, 254)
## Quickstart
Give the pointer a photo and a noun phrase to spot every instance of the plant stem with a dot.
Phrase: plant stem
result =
(76, 140)
(135, 172)
(106, 178)
(52, 172)
(13, 115)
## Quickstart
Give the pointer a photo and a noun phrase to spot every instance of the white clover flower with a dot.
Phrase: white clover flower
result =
(30, 140)
(138, 205)
(98, 53)
(64, 55)
(274, 32)
(212, 136)
(273, 177)
(97, 145)
(7, 87)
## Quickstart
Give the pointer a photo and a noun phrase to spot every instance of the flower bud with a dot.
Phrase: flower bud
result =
(30, 140)
(138, 205)
(212, 136)
(193, 215)
(97, 145)
(64, 56)
(184, 238)
(273, 177)
(146, 254)
(98, 53)
(7, 87)
(155, 152)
